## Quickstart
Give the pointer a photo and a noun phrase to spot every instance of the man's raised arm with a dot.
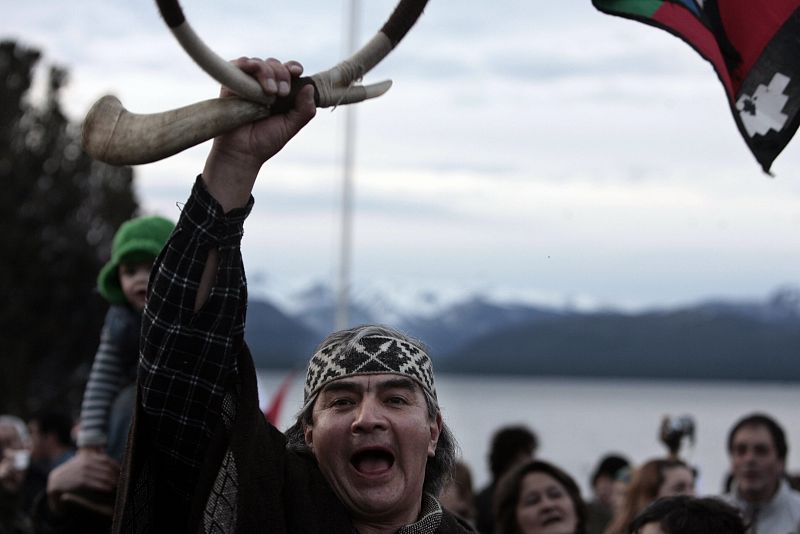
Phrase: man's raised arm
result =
(236, 158)
(193, 324)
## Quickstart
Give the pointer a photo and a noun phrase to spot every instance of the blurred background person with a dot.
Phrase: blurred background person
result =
(757, 448)
(66, 507)
(619, 491)
(458, 496)
(688, 515)
(51, 446)
(538, 498)
(794, 481)
(654, 479)
(51, 439)
(600, 510)
(511, 446)
(14, 463)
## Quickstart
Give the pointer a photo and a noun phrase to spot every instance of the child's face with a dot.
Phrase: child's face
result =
(133, 279)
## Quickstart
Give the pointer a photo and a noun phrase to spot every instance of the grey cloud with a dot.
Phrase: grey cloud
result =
(539, 68)
(501, 64)
(365, 204)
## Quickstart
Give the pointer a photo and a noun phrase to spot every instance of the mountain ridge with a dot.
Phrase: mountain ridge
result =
(716, 339)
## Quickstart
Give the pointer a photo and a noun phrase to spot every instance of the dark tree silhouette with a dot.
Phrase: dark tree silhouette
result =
(59, 210)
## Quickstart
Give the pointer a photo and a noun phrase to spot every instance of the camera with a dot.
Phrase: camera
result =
(674, 430)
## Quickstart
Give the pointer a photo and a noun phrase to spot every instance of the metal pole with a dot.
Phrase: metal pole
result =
(342, 318)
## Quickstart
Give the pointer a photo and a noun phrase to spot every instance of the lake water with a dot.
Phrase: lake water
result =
(579, 420)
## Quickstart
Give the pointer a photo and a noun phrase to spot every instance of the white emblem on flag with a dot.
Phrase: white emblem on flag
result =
(762, 111)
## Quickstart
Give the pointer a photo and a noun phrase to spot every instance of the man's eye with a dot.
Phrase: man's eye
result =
(761, 450)
(396, 399)
(342, 401)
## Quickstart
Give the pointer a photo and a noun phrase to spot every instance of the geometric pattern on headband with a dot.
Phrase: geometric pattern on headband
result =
(370, 355)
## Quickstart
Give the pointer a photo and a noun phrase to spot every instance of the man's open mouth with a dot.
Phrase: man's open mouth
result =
(372, 460)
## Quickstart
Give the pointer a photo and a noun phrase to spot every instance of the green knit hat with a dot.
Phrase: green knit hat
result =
(139, 239)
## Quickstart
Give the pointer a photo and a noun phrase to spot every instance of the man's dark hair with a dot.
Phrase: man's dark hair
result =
(609, 466)
(690, 515)
(508, 444)
(56, 423)
(772, 426)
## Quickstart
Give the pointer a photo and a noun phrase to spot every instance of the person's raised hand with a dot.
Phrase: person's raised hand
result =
(237, 156)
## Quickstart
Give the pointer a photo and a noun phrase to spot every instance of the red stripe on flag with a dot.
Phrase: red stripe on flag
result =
(681, 21)
(751, 24)
(273, 411)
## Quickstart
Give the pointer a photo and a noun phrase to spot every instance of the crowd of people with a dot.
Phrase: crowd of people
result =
(58, 476)
(50, 485)
(531, 495)
(369, 452)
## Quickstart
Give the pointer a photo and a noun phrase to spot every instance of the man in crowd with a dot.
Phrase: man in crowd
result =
(51, 446)
(51, 439)
(369, 450)
(600, 509)
(757, 448)
(511, 446)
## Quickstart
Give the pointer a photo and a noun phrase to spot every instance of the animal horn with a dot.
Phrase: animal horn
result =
(114, 135)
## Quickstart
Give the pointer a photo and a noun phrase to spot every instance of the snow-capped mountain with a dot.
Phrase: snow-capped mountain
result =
(523, 336)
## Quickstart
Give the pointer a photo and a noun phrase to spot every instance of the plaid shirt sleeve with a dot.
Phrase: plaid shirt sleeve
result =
(188, 358)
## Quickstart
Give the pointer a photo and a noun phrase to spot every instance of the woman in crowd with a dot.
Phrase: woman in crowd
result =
(538, 498)
(653, 480)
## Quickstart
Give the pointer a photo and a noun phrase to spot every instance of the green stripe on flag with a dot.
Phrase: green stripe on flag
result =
(641, 8)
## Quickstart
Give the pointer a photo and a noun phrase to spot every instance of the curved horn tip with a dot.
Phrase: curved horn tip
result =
(377, 89)
(99, 125)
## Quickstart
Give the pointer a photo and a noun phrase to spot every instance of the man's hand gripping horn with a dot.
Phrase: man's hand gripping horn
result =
(114, 135)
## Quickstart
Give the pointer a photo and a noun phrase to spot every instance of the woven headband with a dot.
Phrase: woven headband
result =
(368, 356)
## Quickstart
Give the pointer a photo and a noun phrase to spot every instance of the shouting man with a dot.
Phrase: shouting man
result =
(369, 450)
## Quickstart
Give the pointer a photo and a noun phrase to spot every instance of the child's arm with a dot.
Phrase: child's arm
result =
(114, 356)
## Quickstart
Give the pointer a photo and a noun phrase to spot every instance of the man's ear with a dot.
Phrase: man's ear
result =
(436, 429)
(308, 434)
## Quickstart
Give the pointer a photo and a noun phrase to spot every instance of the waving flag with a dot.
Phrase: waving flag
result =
(754, 45)
(273, 412)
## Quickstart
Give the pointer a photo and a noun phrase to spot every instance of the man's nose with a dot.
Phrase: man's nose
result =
(750, 459)
(369, 416)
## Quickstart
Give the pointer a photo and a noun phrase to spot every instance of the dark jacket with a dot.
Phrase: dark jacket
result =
(201, 456)
(277, 491)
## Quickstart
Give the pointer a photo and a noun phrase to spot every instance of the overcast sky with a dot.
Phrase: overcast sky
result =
(536, 149)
